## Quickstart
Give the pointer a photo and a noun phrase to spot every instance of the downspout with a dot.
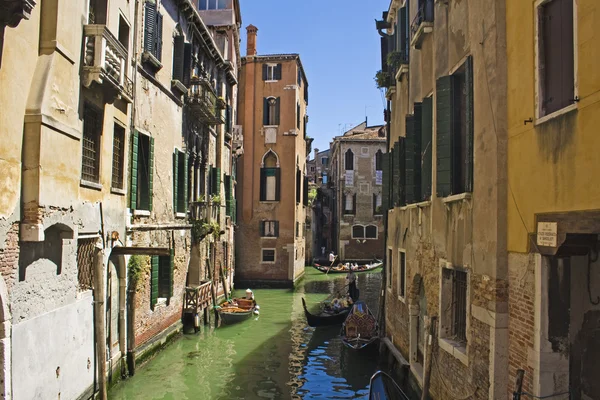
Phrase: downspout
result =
(131, 292)
(122, 293)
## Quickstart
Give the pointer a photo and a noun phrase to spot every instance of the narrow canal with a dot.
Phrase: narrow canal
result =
(273, 356)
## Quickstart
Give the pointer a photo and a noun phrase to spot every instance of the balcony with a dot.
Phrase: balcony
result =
(204, 211)
(105, 62)
(422, 23)
(202, 101)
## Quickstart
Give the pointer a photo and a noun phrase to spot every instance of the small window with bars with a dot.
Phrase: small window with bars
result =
(85, 263)
(454, 305)
(118, 157)
(268, 256)
(90, 143)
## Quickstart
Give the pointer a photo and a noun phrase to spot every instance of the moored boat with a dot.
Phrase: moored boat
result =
(327, 316)
(383, 387)
(345, 268)
(236, 310)
(360, 329)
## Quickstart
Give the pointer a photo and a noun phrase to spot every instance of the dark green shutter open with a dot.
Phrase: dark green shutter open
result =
(178, 50)
(395, 186)
(470, 124)
(264, 72)
(277, 184)
(278, 72)
(265, 111)
(210, 179)
(277, 104)
(263, 184)
(261, 228)
(135, 137)
(186, 168)
(409, 160)
(187, 64)
(149, 26)
(426, 149)
(151, 174)
(228, 195)
(154, 261)
(354, 204)
(276, 228)
(444, 136)
(218, 181)
(305, 191)
(401, 183)
(384, 53)
(385, 191)
(158, 37)
(175, 180)
(171, 273)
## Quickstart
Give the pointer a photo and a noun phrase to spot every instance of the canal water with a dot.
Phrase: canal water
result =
(272, 356)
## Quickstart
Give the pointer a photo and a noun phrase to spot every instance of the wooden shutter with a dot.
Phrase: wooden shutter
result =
(444, 135)
(171, 274)
(186, 168)
(568, 54)
(403, 33)
(276, 228)
(374, 203)
(210, 179)
(178, 50)
(159, 32)
(227, 195)
(134, 170)
(149, 26)
(278, 72)
(264, 72)
(402, 172)
(354, 204)
(277, 104)
(409, 160)
(305, 191)
(175, 181)
(384, 53)
(469, 124)
(426, 149)
(265, 111)
(395, 185)
(261, 228)
(151, 174)
(154, 280)
(385, 192)
(263, 184)
(277, 184)
(298, 185)
(187, 64)
(216, 181)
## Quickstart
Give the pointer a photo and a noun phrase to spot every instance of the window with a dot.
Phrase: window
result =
(142, 171)
(349, 160)
(153, 25)
(312, 168)
(161, 282)
(268, 256)
(402, 274)
(555, 48)
(377, 209)
(271, 72)
(388, 269)
(298, 185)
(411, 167)
(85, 263)
(97, 12)
(426, 150)
(371, 232)
(180, 181)
(378, 160)
(215, 181)
(297, 229)
(271, 111)
(324, 178)
(358, 232)
(324, 161)
(454, 132)
(350, 204)
(118, 157)
(212, 4)
(269, 228)
(182, 60)
(90, 143)
(454, 304)
(123, 33)
(270, 179)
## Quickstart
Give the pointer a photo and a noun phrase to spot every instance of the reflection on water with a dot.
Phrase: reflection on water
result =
(272, 356)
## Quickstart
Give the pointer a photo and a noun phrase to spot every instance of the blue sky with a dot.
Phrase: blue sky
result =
(340, 51)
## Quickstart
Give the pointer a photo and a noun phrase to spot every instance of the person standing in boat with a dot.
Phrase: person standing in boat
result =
(351, 279)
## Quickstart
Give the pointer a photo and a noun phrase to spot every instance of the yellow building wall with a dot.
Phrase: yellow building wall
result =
(552, 166)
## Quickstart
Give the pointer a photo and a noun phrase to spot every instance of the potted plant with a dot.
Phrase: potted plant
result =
(382, 79)
(395, 59)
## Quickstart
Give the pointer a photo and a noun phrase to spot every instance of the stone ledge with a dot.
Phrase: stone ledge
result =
(458, 352)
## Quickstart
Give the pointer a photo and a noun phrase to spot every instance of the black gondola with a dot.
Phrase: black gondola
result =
(325, 318)
(383, 387)
(360, 329)
(343, 269)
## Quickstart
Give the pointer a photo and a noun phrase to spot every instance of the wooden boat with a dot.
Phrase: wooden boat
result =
(343, 269)
(326, 316)
(360, 328)
(383, 387)
(236, 310)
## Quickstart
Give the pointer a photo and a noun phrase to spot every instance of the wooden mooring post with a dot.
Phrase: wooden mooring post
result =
(518, 384)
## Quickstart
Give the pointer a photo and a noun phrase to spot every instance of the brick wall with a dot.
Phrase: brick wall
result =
(9, 256)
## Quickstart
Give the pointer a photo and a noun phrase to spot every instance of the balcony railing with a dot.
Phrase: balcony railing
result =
(203, 102)
(197, 298)
(422, 23)
(105, 61)
(202, 210)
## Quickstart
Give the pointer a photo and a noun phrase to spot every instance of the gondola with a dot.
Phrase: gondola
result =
(325, 317)
(360, 328)
(236, 310)
(383, 387)
(344, 268)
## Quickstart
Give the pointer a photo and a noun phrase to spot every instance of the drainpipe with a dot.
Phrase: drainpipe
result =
(99, 320)
(122, 298)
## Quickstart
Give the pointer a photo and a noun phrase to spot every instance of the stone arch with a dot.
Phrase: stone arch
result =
(5, 345)
(267, 153)
(50, 248)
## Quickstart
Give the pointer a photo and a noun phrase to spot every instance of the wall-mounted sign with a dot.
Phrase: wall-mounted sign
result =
(349, 178)
(379, 177)
(547, 233)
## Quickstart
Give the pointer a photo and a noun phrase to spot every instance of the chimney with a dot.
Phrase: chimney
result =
(251, 31)
(316, 151)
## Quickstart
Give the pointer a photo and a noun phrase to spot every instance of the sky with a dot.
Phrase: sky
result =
(340, 52)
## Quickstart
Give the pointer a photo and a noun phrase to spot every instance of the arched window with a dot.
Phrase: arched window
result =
(271, 111)
(350, 204)
(270, 177)
(349, 161)
(371, 232)
(358, 232)
(379, 160)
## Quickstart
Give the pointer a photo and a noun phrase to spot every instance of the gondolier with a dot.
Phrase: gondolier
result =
(351, 279)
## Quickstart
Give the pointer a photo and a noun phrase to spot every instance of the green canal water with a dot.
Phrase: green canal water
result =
(272, 356)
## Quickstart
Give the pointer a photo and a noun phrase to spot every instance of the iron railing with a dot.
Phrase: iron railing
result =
(459, 302)
(203, 102)
(424, 14)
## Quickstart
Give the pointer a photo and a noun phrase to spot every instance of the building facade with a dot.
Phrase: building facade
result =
(444, 72)
(321, 216)
(553, 220)
(357, 193)
(273, 194)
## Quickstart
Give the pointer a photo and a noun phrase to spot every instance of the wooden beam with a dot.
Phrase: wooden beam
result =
(142, 251)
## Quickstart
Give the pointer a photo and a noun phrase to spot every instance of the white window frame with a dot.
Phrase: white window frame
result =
(364, 229)
(262, 255)
(271, 72)
(538, 89)
(266, 225)
(376, 232)
(346, 197)
(399, 280)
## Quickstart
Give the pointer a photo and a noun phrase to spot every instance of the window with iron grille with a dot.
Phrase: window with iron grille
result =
(85, 263)
(268, 255)
(118, 157)
(402, 273)
(454, 305)
(90, 143)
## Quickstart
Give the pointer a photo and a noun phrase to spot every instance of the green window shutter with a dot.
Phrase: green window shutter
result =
(384, 53)
(175, 180)
(402, 172)
(395, 187)
(159, 32)
(149, 26)
(264, 72)
(217, 181)
(263, 184)
(154, 281)
(409, 160)
(171, 272)
(151, 174)
(276, 228)
(261, 228)
(374, 200)
(186, 168)
(178, 50)
(277, 184)
(228, 195)
(278, 72)
(277, 104)
(444, 135)
(210, 179)
(354, 204)
(187, 64)
(385, 191)
(470, 124)
(134, 169)
(426, 150)
(265, 111)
